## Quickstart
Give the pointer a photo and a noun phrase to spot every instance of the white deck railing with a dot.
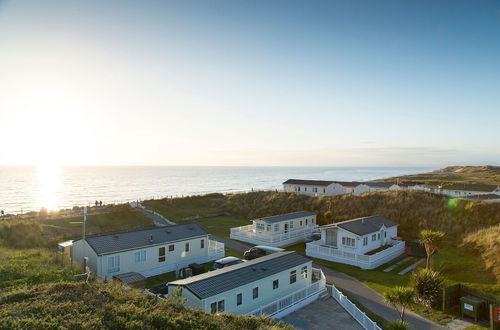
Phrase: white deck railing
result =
(250, 232)
(293, 299)
(317, 250)
(215, 247)
(353, 310)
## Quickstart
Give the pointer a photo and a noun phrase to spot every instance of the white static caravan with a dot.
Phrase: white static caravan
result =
(278, 230)
(277, 284)
(319, 187)
(148, 252)
(364, 242)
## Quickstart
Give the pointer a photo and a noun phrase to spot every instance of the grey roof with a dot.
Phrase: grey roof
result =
(349, 183)
(287, 216)
(321, 182)
(104, 244)
(379, 184)
(225, 279)
(484, 196)
(131, 277)
(364, 226)
(309, 182)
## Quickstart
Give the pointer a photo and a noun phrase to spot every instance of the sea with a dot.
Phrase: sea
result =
(24, 188)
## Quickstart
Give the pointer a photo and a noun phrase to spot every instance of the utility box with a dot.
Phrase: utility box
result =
(471, 306)
(416, 248)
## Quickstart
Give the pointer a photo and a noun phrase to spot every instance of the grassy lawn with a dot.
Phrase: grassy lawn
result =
(460, 265)
(233, 253)
(179, 208)
(221, 225)
(160, 279)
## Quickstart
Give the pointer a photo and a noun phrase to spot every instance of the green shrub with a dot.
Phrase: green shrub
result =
(101, 305)
(397, 325)
(428, 285)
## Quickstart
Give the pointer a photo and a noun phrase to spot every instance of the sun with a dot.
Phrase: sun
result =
(49, 186)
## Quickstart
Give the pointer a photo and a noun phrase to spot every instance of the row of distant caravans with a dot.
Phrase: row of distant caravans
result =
(275, 284)
(483, 192)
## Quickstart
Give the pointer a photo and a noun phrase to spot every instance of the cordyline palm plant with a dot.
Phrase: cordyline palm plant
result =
(432, 242)
(400, 298)
(428, 285)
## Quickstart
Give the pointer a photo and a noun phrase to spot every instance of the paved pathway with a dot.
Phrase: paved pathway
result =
(372, 300)
(412, 266)
(400, 262)
(229, 243)
(352, 287)
(158, 219)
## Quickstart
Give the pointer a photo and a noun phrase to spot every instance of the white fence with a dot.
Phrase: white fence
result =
(215, 247)
(353, 310)
(249, 234)
(293, 301)
(317, 250)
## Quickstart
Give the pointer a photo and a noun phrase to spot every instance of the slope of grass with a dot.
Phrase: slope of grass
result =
(486, 244)
(179, 208)
(33, 266)
(48, 231)
(100, 305)
(456, 175)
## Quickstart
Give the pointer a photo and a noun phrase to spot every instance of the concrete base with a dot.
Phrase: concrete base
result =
(298, 305)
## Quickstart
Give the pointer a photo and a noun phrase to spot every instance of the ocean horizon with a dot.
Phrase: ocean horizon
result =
(29, 188)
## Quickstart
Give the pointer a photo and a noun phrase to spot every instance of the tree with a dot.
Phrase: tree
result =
(428, 285)
(400, 298)
(176, 296)
(432, 242)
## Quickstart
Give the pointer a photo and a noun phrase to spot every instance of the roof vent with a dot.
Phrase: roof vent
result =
(151, 238)
(115, 236)
(168, 231)
(190, 228)
(254, 269)
(264, 269)
(363, 220)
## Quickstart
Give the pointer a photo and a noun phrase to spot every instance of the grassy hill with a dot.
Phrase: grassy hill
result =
(412, 209)
(42, 230)
(486, 175)
(39, 290)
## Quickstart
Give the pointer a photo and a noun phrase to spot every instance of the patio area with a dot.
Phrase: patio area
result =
(322, 314)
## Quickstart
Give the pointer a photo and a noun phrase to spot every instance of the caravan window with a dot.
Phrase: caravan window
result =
(113, 264)
(293, 276)
(161, 254)
(140, 256)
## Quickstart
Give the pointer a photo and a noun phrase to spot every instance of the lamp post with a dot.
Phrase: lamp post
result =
(84, 220)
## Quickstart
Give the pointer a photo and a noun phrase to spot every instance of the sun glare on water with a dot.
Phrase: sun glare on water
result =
(49, 182)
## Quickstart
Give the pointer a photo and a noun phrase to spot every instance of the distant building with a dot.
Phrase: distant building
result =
(275, 285)
(463, 189)
(278, 230)
(148, 252)
(318, 187)
(364, 242)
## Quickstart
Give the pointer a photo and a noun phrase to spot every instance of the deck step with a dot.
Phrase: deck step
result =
(411, 267)
(400, 262)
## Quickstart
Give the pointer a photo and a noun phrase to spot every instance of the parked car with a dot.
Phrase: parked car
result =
(260, 251)
(227, 261)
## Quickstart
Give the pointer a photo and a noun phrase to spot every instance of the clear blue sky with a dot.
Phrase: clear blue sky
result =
(333, 83)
